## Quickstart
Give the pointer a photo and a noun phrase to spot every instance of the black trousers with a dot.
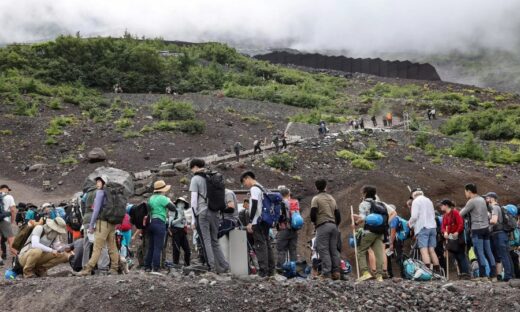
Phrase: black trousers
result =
(180, 240)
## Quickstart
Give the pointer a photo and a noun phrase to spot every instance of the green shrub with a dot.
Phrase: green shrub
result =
(51, 141)
(468, 149)
(431, 150)
(123, 123)
(69, 160)
(147, 129)
(129, 134)
(361, 163)
(348, 155)
(57, 124)
(282, 161)
(421, 140)
(251, 119)
(371, 153)
(6, 132)
(408, 158)
(128, 113)
(24, 107)
(502, 155)
(315, 116)
(55, 104)
(437, 160)
(186, 126)
(168, 109)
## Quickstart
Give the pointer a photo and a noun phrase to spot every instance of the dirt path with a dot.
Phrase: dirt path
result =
(28, 194)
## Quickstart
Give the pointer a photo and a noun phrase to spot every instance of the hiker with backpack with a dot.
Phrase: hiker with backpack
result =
(104, 231)
(399, 233)
(237, 148)
(44, 248)
(7, 219)
(287, 234)
(499, 237)
(259, 224)
(452, 229)
(326, 218)
(374, 215)
(207, 202)
(179, 232)
(477, 209)
(257, 147)
(425, 228)
(276, 142)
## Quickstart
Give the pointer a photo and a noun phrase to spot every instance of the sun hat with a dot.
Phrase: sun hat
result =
(161, 186)
(57, 224)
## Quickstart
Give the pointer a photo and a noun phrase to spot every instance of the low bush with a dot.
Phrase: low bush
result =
(129, 134)
(69, 160)
(6, 132)
(123, 123)
(468, 149)
(348, 155)
(128, 113)
(408, 158)
(168, 109)
(421, 140)
(55, 104)
(282, 161)
(186, 126)
(363, 164)
(371, 153)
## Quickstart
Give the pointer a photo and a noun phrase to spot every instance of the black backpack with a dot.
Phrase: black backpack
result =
(115, 206)
(140, 216)
(378, 208)
(74, 218)
(508, 221)
(215, 191)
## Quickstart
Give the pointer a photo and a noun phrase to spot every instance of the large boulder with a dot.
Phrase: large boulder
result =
(114, 176)
(182, 167)
(96, 154)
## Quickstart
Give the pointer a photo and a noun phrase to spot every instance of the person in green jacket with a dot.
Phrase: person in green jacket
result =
(159, 206)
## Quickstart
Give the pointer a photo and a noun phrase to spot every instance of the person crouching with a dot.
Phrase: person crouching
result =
(40, 252)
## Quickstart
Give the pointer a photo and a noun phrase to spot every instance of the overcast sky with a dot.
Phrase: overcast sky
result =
(362, 26)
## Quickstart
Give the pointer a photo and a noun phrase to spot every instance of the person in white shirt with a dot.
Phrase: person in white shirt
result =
(7, 217)
(425, 228)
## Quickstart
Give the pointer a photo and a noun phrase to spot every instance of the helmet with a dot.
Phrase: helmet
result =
(10, 274)
(512, 210)
(374, 219)
(296, 221)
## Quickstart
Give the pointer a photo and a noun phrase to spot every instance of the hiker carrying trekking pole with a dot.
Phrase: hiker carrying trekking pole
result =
(355, 241)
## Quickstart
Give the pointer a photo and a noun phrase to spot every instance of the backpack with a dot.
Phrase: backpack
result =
(23, 235)
(415, 270)
(115, 204)
(125, 225)
(296, 221)
(74, 219)
(271, 207)
(139, 216)
(378, 208)
(215, 191)
(508, 221)
(403, 230)
(515, 238)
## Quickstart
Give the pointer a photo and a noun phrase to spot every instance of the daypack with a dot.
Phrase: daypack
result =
(125, 225)
(74, 219)
(215, 191)
(415, 270)
(296, 221)
(403, 230)
(378, 208)
(508, 221)
(271, 207)
(116, 199)
(139, 216)
(514, 240)
(23, 235)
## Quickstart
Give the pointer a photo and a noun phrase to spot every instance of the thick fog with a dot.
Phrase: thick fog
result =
(361, 27)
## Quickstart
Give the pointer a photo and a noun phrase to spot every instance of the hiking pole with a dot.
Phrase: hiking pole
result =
(447, 265)
(355, 239)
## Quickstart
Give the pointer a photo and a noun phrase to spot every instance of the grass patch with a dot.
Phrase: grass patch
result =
(51, 141)
(168, 109)
(468, 149)
(128, 113)
(371, 153)
(69, 160)
(363, 164)
(409, 158)
(186, 126)
(348, 155)
(6, 132)
(123, 123)
(57, 124)
(282, 161)
(129, 134)
(147, 129)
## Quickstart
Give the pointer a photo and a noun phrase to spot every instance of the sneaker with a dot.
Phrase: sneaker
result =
(379, 278)
(365, 277)
(336, 276)
(82, 273)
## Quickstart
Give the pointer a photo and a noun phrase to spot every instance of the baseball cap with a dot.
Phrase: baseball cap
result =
(492, 195)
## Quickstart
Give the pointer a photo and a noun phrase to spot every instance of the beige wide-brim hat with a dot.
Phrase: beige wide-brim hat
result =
(161, 187)
(58, 224)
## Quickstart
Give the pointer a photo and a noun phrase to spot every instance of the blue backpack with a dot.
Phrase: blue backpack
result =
(271, 207)
(416, 271)
(403, 230)
(515, 238)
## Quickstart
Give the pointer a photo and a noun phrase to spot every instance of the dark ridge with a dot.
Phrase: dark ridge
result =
(377, 67)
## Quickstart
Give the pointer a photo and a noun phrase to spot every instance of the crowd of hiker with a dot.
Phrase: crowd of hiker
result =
(95, 231)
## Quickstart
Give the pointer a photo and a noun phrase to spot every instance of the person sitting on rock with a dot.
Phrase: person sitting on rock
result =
(42, 250)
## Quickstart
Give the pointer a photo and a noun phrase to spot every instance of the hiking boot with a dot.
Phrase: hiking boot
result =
(83, 273)
(336, 276)
(379, 278)
(113, 272)
(365, 277)
(41, 272)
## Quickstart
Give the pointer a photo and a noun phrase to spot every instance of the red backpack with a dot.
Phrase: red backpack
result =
(125, 225)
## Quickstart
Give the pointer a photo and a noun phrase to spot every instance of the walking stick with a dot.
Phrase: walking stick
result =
(355, 239)
(447, 265)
